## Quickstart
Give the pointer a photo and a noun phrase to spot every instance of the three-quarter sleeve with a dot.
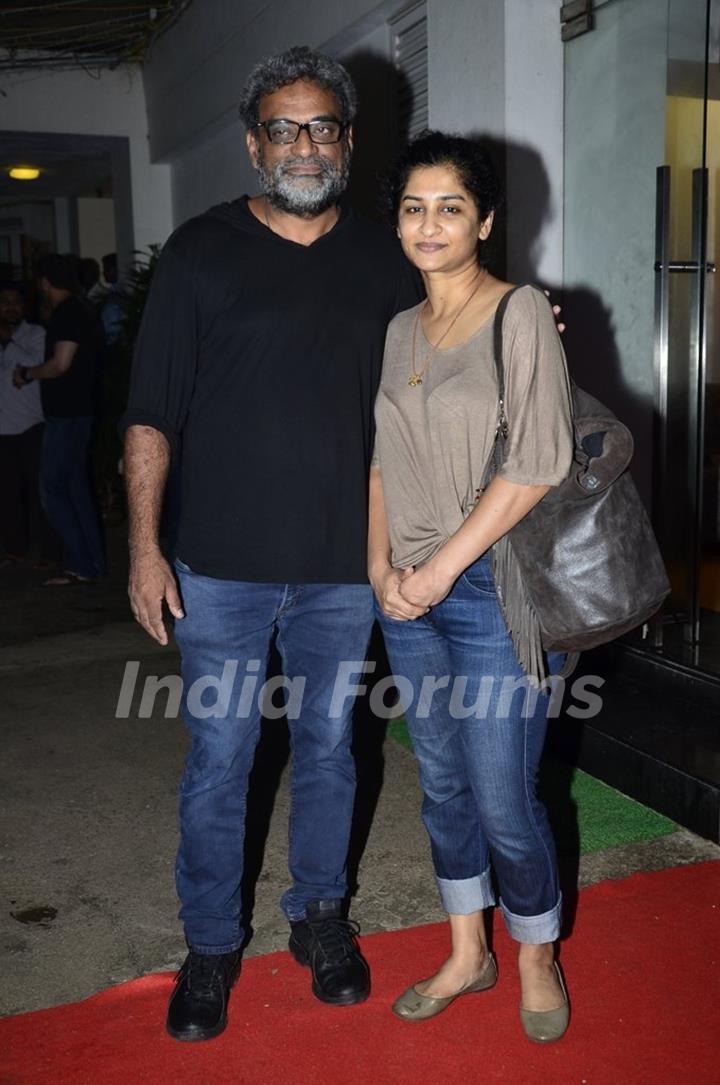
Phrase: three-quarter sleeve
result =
(538, 402)
(165, 353)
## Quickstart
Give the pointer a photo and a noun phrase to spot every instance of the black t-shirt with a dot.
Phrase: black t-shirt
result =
(74, 394)
(264, 356)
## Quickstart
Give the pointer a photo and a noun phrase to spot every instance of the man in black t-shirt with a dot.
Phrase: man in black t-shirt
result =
(260, 349)
(68, 392)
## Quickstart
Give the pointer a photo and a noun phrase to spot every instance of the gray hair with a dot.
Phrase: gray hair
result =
(297, 63)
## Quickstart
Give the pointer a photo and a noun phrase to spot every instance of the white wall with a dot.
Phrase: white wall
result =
(466, 42)
(66, 235)
(497, 68)
(615, 133)
(534, 106)
(217, 169)
(96, 226)
(113, 105)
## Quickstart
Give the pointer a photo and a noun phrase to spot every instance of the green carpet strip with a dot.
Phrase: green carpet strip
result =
(586, 814)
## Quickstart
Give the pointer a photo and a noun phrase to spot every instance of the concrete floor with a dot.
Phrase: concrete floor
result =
(89, 810)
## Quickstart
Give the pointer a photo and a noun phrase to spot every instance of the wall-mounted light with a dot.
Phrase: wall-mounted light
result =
(24, 173)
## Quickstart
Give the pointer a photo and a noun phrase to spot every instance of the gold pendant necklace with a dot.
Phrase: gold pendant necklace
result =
(416, 375)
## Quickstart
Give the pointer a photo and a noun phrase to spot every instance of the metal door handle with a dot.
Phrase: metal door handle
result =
(696, 391)
(662, 337)
(683, 265)
(696, 364)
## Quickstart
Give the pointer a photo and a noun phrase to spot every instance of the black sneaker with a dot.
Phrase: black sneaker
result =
(326, 942)
(198, 1005)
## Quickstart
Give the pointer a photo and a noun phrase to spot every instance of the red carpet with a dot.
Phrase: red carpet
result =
(642, 967)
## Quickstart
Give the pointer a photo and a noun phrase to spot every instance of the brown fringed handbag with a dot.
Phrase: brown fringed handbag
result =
(583, 566)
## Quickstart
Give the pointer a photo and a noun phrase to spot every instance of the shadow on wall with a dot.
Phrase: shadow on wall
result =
(378, 130)
(589, 339)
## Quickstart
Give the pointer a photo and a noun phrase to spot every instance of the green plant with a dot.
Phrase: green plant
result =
(136, 288)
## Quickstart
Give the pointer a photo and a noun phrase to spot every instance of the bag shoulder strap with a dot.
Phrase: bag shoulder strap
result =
(498, 336)
(502, 427)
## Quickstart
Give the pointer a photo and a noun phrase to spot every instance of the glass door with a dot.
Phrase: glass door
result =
(642, 179)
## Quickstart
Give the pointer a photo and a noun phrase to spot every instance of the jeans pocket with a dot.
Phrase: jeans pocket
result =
(479, 578)
(181, 566)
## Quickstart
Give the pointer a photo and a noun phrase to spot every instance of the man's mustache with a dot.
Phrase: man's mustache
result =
(289, 164)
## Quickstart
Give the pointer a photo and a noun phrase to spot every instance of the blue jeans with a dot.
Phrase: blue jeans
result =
(67, 495)
(226, 635)
(478, 745)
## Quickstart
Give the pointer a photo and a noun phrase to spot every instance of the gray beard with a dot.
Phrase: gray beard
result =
(304, 196)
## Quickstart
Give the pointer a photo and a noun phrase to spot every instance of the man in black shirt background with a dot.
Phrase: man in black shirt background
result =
(260, 349)
(68, 391)
(21, 431)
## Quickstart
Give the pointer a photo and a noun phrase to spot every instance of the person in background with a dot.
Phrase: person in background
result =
(108, 298)
(88, 275)
(24, 530)
(67, 380)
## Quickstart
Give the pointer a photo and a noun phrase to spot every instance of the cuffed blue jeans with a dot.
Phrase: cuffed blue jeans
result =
(477, 730)
(67, 494)
(225, 639)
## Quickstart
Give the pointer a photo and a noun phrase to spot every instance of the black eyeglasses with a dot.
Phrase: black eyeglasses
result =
(282, 131)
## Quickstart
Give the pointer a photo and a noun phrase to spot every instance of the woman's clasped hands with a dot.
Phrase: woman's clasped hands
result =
(406, 594)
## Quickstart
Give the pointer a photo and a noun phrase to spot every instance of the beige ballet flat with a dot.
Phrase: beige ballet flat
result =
(412, 1006)
(546, 1026)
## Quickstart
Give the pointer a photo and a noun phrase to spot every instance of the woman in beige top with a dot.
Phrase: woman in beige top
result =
(477, 730)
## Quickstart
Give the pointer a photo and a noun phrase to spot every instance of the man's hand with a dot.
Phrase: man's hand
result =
(386, 585)
(151, 582)
(427, 587)
(17, 378)
(556, 313)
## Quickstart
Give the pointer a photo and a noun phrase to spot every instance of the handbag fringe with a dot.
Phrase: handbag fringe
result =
(517, 610)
